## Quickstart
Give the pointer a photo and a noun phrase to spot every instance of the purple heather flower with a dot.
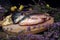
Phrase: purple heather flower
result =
(52, 38)
(29, 35)
(56, 35)
(58, 23)
(50, 34)
(40, 37)
(19, 37)
(54, 24)
(45, 33)
(46, 38)
(33, 37)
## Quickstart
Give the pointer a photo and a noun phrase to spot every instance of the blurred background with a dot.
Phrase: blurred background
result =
(52, 3)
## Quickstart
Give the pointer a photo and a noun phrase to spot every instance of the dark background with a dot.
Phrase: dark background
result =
(52, 3)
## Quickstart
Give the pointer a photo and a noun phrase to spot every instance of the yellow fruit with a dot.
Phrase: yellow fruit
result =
(13, 8)
(47, 5)
(21, 7)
